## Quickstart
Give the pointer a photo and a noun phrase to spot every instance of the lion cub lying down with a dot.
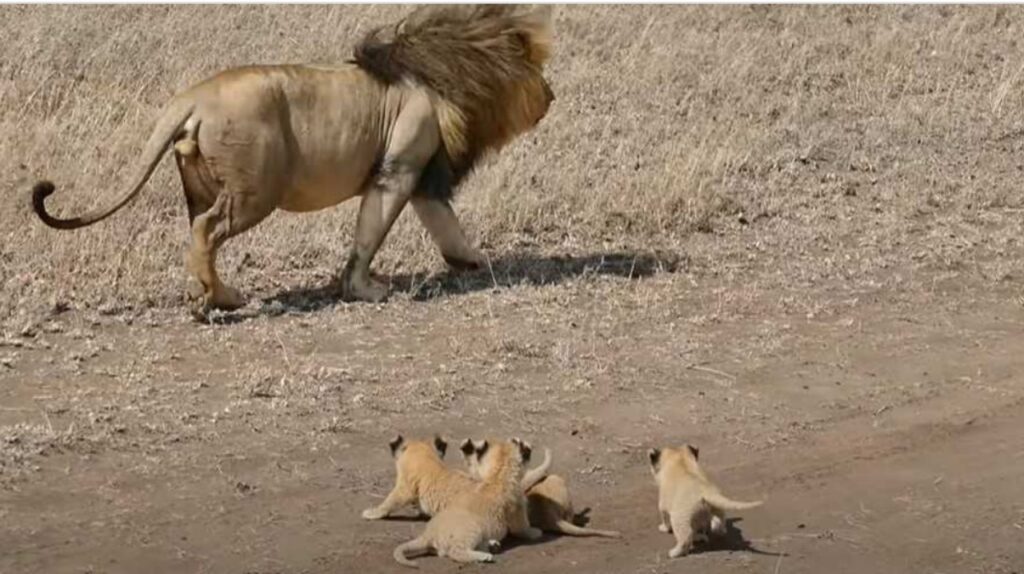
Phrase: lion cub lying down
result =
(477, 520)
(423, 479)
(688, 503)
(550, 509)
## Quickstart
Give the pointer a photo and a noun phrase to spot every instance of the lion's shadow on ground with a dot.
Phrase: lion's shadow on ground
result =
(504, 272)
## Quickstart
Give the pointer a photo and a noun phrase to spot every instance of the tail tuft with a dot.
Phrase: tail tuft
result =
(42, 190)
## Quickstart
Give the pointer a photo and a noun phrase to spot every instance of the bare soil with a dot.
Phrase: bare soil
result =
(790, 236)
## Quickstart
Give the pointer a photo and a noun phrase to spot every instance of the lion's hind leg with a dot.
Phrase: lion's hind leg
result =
(230, 214)
(241, 183)
(200, 193)
(209, 230)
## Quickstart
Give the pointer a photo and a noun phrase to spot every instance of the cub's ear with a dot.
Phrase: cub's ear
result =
(694, 451)
(467, 448)
(655, 455)
(481, 447)
(441, 445)
(525, 450)
(395, 444)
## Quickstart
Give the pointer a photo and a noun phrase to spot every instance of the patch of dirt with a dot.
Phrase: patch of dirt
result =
(885, 438)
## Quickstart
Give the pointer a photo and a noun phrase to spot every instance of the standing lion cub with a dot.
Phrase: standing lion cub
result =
(688, 503)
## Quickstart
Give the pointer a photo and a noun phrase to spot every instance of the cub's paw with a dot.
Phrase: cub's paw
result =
(373, 514)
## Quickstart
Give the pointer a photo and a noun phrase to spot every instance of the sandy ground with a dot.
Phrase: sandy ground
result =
(883, 438)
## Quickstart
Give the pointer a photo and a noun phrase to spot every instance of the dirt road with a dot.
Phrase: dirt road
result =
(881, 440)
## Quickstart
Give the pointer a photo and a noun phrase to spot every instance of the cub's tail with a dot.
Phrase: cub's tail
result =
(719, 500)
(415, 547)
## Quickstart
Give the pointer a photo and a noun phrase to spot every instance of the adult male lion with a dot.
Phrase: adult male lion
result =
(405, 120)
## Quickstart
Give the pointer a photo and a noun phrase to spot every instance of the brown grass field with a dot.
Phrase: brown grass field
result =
(791, 236)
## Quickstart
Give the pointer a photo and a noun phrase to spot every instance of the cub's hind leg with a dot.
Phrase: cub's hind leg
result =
(665, 525)
(463, 555)
(682, 529)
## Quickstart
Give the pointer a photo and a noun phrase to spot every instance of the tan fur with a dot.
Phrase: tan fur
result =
(421, 478)
(548, 505)
(403, 122)
(689, 504)
(479, 519)
(530, 478)
(550, 509)
(491, 89)
(535, 474)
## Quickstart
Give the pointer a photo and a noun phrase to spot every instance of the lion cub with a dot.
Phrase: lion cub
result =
(423, 479)
(688, 503)
(550, 509)
(547, 502)
(477, 520)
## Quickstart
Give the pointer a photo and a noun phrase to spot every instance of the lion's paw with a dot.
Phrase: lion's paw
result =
(373, 514)
(369, 290)
(465, 262)
(227, 299)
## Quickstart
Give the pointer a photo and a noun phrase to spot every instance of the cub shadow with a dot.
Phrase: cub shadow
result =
(404, 518)
(731, 541)
(581, 518)
(503, 272)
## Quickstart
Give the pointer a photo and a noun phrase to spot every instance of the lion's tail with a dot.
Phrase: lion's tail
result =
(414, 547)
(566, 527)
(538, 473)
(169, 124)
(721, 501)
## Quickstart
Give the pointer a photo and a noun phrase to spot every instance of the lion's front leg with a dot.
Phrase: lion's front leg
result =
(380, 207)
(440, 220)
(414, 140)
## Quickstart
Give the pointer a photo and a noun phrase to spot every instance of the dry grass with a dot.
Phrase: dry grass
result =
(863, 128)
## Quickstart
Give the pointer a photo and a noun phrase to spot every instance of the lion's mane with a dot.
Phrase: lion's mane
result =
(482, 65)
